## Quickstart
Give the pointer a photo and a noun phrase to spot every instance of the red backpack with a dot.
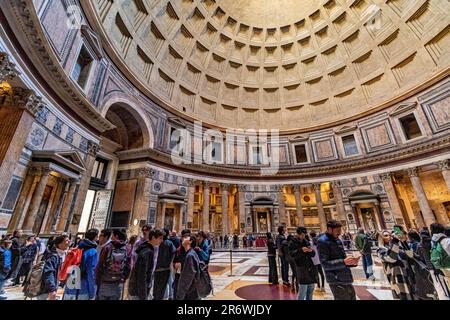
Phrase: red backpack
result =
(73, 258)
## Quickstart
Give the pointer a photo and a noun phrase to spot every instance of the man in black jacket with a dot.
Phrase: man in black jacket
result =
(53, 260)
(166, 254)
(178, 261)
(17, 249)
(335, 262)
(281, 244)
(142, 274)
(187, 284)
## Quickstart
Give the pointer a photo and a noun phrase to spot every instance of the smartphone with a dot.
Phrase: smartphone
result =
(398, 231)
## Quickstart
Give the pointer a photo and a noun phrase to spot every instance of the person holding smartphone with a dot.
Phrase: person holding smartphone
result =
(336, 263)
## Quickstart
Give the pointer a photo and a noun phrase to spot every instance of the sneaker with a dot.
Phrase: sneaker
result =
(372, 277)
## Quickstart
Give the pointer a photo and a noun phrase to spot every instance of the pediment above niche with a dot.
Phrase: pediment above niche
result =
(345, 129)
(177, 122)
(404, 107)
(93, 40)
(298, 139)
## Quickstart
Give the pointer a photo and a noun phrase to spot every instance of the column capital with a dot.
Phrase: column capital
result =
(92, 148)
(22, 98)
(44, 171)
(336, 184)
(385, 176)
(225, 187)
(74, 181)
(278, 187)
(242, 187)
(316, 186)
(145, 172)
(443, 165)
(191, 182)
(297, 187)
(413, 172)
(8, 69)
(207, 184)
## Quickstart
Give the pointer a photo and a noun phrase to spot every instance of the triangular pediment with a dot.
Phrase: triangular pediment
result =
(299, 138)
(177, 121)
(93, 40)
(346, 129)
(402, 108)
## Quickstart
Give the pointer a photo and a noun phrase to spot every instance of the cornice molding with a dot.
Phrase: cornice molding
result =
(8, 69)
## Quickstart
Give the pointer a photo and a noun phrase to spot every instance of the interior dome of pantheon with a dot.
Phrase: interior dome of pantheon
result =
(283, 64)
(228, 116)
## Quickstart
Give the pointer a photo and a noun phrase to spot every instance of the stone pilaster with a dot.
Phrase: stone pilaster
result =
(241, 198)
(298, 204)
(392, 195)
(444, 167)
(30, 217)
(18, 107)
(190, 202)
(63, 222)
(320, 210)
(427, 213)
(143, 194)
(281, 205)
(339, 202)
(225, 219)
(206, 204)
(163, 215)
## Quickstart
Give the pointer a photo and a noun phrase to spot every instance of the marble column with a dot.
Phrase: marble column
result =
(163, 215)
(35, 202)
(444, 167)
(206, 205)
(320, 210)
(84, 184)
(182, 207)
(298, 204)
(339, 202)
(190, 202)
(18, 109)
(392, 196)
(30, 183)
(241, 199)
(142, 204)
(225, 219)
(281, 205)
(63, 222)
(62, 199)
(427, 213)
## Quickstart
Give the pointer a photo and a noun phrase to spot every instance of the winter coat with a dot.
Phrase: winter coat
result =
(443, 240)
(202, 251)
(100, 270)
(397, 269)
(306, 270)
(424, 252)
(363, 243)
(88, 264)
(5, 262)
(271, 248)
(332, 255)
(166, 254)
(315, 259)
(176, 241)
(281, 242)
(52, 266)
(29, 253)
(142, 273)
(187, 285)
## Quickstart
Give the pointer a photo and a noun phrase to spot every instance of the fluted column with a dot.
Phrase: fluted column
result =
(392, 195)
(281, 205)
(143, 193)
(320, 210)
(190, 202)
(421, 196)
(206, 204)
(298, 204)
(28, 188)
(18, 108)
(443, 166)
(35, 202)
(63, 222)
(339, 201)
(163, 214)
(241, 199)
(225, 219)
(84, 183)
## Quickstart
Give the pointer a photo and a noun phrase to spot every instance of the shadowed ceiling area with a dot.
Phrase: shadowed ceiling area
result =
(285, 64)
(128, 132)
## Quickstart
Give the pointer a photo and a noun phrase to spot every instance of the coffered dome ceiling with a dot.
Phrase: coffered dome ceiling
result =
(287, 64)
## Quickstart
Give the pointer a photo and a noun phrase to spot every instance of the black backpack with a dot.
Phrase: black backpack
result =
(204, 284)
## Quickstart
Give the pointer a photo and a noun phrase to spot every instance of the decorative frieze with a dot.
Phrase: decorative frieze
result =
(8, 69)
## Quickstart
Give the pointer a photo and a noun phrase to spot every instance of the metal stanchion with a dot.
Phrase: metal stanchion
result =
(231, 263)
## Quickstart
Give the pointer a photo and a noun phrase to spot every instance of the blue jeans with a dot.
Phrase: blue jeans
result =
(367, 264)
(305, 291)
(2, 280)
(110, 291)
(284, 269)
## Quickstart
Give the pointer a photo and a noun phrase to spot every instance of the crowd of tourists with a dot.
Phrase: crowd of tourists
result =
(415, 263)
(105, 265)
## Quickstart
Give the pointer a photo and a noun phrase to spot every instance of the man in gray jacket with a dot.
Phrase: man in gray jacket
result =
(187, 285)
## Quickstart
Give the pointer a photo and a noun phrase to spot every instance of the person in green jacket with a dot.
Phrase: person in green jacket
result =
(364, 245)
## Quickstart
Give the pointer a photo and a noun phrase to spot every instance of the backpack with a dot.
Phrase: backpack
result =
(33, 285)
(439, 257)
(115, 264)
(204, 285)
(71, 263)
